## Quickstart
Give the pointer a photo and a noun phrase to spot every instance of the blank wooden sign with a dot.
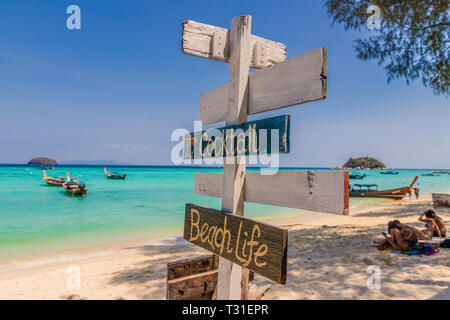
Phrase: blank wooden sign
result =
(193, 279)
(322, 191)
(212, 42)
(297, 80)
(256, 246)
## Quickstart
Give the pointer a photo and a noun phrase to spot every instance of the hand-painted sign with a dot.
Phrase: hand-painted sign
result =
(256, 246)
(267, 136)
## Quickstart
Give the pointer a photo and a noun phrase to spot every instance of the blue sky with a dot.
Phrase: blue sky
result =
(117, 88)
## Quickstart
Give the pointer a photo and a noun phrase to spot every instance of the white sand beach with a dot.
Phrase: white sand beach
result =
(328, 257)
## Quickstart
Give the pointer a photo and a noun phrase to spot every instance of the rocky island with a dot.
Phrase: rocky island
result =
(363, 163)
(42, 160)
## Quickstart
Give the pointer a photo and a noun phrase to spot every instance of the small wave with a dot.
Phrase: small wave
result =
(15, 265)
(18, 264)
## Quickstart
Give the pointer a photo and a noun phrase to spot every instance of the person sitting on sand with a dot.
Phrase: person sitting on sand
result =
(435, 226)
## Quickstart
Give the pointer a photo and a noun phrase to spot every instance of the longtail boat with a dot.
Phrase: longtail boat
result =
(357, 176)
(430, 174)
(110, 175)
(76, 188)
(45, 168)
(389, 172)
(53, 181)
(441, 200)
(371, 191)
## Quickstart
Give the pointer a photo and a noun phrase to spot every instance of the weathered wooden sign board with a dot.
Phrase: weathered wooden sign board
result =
(203, 40)
(253, 245)
(323, 191)
(193, 279)
(298, 80)
(250, 138)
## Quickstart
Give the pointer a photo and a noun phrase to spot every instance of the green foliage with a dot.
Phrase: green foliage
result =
(412, 43)
(364, 162)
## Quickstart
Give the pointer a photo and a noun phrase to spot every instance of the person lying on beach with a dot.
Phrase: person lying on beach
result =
(401, 237)
(435, 226)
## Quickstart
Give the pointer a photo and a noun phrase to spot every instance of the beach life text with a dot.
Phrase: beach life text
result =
(256, 246)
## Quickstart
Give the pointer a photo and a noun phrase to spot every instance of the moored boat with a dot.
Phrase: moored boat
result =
(75, 187)
(53, 181)
(441, 199)
(357, 176)
(389, 172)
(371, 191)
(110, 175)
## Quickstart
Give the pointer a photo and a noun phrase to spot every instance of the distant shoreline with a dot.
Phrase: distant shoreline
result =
(62, 165)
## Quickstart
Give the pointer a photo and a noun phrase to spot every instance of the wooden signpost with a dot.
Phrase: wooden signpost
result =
(244, 139)
(243, 244)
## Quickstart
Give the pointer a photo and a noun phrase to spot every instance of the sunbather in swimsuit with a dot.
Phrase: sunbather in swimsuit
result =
(401, 237)
(435, 226)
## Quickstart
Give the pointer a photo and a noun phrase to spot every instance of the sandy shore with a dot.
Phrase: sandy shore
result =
(328, 259)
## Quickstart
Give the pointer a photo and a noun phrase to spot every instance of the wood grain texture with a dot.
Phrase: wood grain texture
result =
(298, 80)
(231, 281)
(212, 42)
(189, 267)
(321, 191)
(256, 246)
(194, 287)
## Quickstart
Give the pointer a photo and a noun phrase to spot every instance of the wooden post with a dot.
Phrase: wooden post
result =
(232, 280)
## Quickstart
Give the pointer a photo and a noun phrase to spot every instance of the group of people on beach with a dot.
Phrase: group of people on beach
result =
(403, 237)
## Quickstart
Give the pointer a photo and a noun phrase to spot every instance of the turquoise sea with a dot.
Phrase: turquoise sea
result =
(41, 220)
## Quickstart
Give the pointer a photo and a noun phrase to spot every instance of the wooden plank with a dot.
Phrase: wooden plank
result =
(322, 191)
(250, 138)
(441, 200)
(256, 246)
(233, 282)
(212, 42)
(194, 287)
(189, 267)
(298, 80)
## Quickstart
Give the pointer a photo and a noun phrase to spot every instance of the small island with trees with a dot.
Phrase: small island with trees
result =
(42, 160)
(363, 163)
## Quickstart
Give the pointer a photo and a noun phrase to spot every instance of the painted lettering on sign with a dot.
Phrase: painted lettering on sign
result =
(267, 136)
(257, 246)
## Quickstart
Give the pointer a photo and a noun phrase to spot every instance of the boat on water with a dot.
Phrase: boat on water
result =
(75, 187)
(110, 175)
(389, 172)
(45, 168)
(433, 174)
(53, 181)
(357, 176)
(371, 191)
(441, 199)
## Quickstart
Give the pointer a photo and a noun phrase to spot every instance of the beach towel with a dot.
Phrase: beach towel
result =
(427, 249)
